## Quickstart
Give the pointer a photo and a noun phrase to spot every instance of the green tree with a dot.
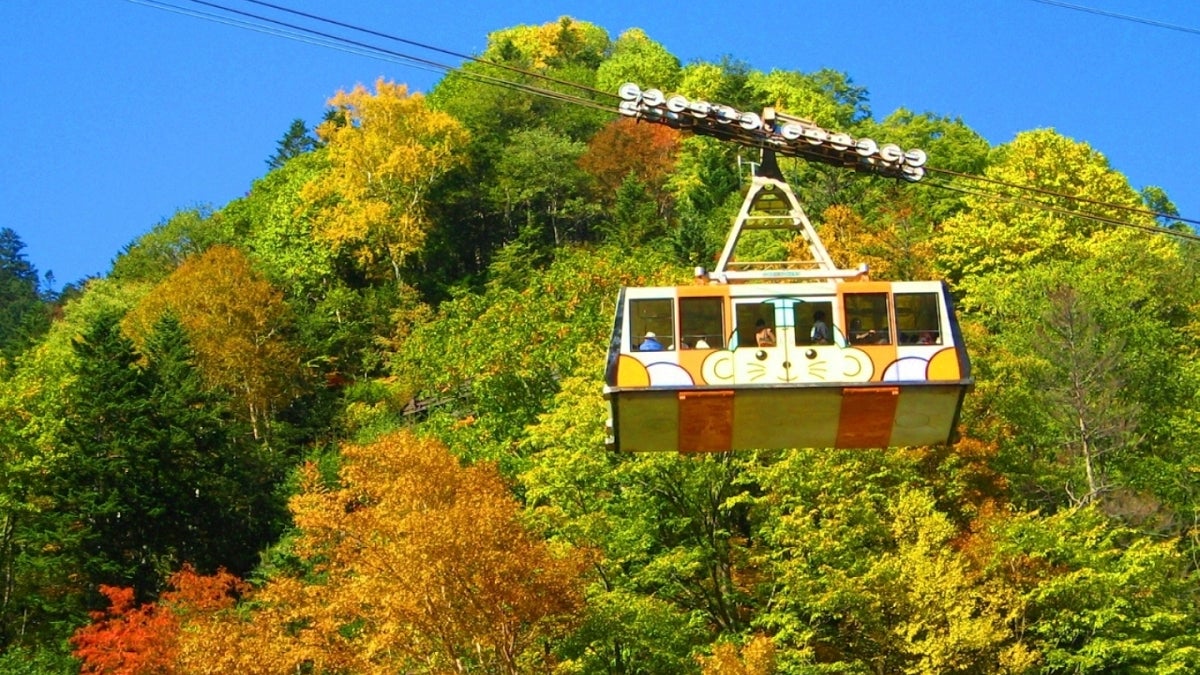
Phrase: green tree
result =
(337, 314)
(295, 142)
(705, 189)
(474, 217)
(154, 255)
(275, 229)
(1086, 378)
(567, 52)
(827, 98)
(43, 588)
(634, 57)
(723, 82)
(154, 477)
(540, 187)
(1166, 213)
(899, 222)
(859, 567)
(503, 351)
(23, 313)
(32, 586)
(635, 221)
(1098, 598)
(1016, 228)
(582, 495)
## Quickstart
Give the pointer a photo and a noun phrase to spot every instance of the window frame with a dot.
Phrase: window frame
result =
(878, 328)
(641, 322)
(698, 325)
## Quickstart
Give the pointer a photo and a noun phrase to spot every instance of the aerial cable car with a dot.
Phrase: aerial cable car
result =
(782, 354)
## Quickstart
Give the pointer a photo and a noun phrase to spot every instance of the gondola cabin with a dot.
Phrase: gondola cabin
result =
(785, 354)
(852, 365)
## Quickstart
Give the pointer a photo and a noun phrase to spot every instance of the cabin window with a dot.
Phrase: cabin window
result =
(651, 324)
(918, 318)
(805, 317)
(867, 318)
(702, 323)
(751, 318)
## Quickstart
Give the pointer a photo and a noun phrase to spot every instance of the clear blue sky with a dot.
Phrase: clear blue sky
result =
(117, 114)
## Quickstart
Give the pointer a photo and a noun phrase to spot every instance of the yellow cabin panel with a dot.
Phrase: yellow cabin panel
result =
(926, 415)
(648, 421)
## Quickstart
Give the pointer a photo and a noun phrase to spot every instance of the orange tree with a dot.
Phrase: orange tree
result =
(144, 640)
(414, 564)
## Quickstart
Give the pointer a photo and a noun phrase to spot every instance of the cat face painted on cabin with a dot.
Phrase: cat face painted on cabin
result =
(787, 363)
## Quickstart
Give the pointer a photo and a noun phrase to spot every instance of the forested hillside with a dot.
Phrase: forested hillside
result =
(352, 422)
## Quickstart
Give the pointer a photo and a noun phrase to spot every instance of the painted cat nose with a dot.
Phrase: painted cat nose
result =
(810, 354)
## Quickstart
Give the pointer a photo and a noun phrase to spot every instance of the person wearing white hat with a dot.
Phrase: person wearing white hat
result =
(650, 343)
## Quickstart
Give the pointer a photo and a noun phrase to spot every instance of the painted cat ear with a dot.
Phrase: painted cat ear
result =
(857, 365)
(718, 367)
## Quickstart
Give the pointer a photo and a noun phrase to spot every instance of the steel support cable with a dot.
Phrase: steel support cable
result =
(479, 77)
(433, 48)
(293, 31)
(1052, 193)
(1123, 17)
(996, 196)
(365, 49)
(278, 32)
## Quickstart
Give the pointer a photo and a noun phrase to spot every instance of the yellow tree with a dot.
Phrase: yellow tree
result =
(385, 150)
(1011, 228)
(554, 43)
(946, 615)
(757, 657)
(418, 565)
(236, 321)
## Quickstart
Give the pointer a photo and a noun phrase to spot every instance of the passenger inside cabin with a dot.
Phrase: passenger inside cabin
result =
(859, 336)
(820, 329)
(870, 336)
(650, 343)
(764, 334)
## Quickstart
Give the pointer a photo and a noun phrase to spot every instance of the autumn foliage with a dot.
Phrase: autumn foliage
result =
(144, 640)
(414, 562)
(627, 146)
(893, 246)
(127, 640)
(384, 156)
(757, 657)
(472, 306)
(417, 564)
(237, 323)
